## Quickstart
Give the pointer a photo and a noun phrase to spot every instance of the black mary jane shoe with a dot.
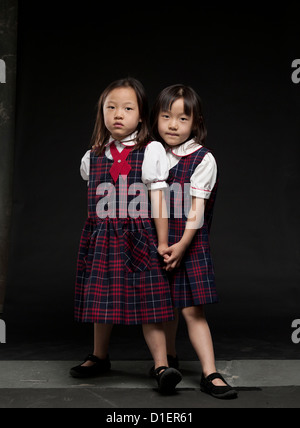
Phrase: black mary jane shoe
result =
(99, 367)
(223, 392)
(173, 363)
(167, 379)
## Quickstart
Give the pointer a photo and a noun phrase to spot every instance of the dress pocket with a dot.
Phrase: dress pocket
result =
(137, 251)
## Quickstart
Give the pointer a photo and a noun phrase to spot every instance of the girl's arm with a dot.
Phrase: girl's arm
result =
(155, 171)
(174, 254)
(85, 166)
(160, 217)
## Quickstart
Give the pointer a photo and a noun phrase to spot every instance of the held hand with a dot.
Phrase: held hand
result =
(162, 251)
(174, 255)
(162, 248)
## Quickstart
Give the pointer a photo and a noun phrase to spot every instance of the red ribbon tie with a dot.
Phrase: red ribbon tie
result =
(120, 165)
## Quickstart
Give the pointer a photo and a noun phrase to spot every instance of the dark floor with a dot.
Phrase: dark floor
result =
(47, 384)
(237, 338)
(116, 399)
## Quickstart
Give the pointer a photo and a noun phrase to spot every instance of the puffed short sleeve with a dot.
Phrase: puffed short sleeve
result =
(204, 177)
(85, 166)
(155, 168)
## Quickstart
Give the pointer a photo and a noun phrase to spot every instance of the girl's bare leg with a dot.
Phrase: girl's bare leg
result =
(156, 340)
(201, 340)
(102, 333)
(171, 332)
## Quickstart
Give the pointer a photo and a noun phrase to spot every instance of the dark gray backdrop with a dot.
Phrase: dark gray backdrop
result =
(239, 61)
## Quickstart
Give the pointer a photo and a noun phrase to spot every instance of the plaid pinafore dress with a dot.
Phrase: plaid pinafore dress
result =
(193, 282)
(119, 278)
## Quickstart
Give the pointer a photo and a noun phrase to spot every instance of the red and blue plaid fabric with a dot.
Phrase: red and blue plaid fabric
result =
(119, 277)
(193, 282)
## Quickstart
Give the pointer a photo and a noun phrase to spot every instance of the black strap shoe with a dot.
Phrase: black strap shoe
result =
(173, 362)
(167, 379)
(223, 392)
(99, 367)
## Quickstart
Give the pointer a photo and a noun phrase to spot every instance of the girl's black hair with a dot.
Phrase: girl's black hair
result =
(192, 107)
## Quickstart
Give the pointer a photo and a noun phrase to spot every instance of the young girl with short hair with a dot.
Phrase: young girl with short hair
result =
(178, 123)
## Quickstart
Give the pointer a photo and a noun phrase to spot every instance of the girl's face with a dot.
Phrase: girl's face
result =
(174, 126)
(121, 112)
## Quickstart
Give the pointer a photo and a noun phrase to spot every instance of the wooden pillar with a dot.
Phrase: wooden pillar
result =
(8, 54)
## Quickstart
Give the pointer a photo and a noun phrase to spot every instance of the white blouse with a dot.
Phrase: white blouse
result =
(157, 162)
(155, 169)
(205, 174)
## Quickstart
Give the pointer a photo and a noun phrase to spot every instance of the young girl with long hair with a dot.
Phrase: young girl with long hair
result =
(119, 276)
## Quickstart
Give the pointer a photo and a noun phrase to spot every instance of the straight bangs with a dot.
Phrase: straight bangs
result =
(192, 107)
(168, 99)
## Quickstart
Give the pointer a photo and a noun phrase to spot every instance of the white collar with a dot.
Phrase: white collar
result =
(130, 140)
(184, 149)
